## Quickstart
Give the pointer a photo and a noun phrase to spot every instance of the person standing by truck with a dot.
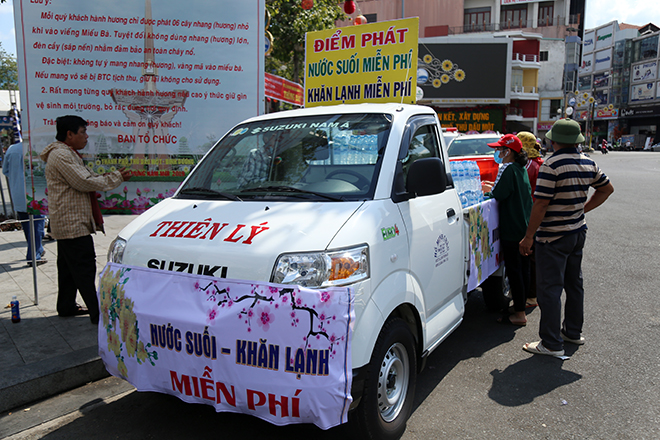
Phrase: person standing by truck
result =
(514, 194)
(532, 148)
(13, 169)
(559, 225)
(75, 215)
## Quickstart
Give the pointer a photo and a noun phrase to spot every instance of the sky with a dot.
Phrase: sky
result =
(599, 12)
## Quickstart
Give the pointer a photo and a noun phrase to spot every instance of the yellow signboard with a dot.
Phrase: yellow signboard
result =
(367, 63)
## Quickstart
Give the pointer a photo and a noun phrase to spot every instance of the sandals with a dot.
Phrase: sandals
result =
(579, 341)
(538, 348)
(77, 311)
(506, 320)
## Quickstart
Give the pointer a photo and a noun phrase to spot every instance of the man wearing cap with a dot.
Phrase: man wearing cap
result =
(558, 222)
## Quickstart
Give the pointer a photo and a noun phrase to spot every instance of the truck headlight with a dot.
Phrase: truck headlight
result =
(322, 269)
(116, 250)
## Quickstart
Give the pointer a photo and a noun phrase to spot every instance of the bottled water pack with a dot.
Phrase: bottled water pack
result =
(467, 181)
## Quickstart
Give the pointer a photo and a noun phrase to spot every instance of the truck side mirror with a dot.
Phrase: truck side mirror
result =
(426, 176)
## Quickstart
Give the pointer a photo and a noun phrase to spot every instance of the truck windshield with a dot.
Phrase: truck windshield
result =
(322, 157)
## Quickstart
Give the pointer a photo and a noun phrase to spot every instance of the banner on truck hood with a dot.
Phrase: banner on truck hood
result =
(280, 353)
(158, 84)
(367, 63)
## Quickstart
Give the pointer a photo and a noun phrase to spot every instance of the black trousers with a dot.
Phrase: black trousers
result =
(76, 272)
(517, 270)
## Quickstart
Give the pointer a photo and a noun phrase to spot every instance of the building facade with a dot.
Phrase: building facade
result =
(618, 88)
(537, 29)
(438, 18)
(641, 116)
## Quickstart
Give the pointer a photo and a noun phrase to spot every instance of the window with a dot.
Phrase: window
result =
(514, 17)
(601, 97)
(517, 80)
(602, 80)
(546, 10)
(371, 18)
(543, 55)
(285, 158)
(472, 146)
(573, 53)
(646, 49)
(549, 109)
(476, 19)
(423, 144)
(584, 83)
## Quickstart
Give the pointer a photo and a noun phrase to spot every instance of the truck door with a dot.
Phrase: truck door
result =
(434, 227)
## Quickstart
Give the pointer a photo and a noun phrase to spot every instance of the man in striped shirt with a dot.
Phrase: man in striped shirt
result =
(558, 222)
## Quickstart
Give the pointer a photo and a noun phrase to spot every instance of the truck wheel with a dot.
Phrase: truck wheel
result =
(390, 385)
(496, 292)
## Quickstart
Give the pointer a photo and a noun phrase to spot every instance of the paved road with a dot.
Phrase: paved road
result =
(479, 384)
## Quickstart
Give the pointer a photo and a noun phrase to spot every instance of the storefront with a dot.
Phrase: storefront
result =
(643, 122)
(602, 125)
(478, 119)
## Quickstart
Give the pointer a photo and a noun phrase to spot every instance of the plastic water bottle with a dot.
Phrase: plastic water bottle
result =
(469, 184)
(475, 182)
(460, 182)
(469, 192)
(361, 150)
(341, 152)
(462, 176)
(353, 147)
(453, 166)
(15, 311)
(339, 142)
(372, 149)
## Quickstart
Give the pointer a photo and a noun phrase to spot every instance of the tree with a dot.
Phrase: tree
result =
(288, 24)
(8, 71)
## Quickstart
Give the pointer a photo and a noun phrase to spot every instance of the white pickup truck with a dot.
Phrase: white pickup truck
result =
(357, 195)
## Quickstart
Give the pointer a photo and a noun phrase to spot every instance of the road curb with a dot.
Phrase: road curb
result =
(22, 385)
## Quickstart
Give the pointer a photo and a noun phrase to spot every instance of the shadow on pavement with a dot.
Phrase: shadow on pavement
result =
(522, 382)
(477, 335)
(518, 384)
(154, 415)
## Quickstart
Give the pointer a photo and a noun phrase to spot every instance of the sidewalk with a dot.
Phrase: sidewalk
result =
(44, 354)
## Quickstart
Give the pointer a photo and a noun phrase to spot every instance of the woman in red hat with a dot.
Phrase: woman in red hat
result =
(514, 194)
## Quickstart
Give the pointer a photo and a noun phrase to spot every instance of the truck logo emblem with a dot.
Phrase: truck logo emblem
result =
(182, 266)
(390, 232)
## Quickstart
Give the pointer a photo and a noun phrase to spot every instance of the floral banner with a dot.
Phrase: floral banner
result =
(135, 200)
(281, 353)
(484, 242)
